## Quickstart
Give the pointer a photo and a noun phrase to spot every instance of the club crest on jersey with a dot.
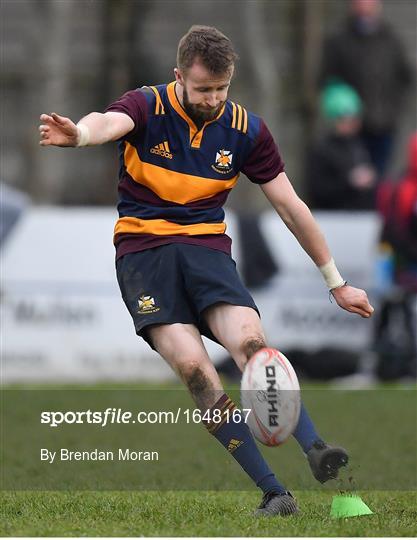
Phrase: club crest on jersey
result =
(223, 163)
(147, 305)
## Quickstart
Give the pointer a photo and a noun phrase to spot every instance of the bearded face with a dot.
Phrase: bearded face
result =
(200, 113)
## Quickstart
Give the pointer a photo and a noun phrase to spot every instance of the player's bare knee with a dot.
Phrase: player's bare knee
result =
(201, 386)
(194, 377)
(252, 345)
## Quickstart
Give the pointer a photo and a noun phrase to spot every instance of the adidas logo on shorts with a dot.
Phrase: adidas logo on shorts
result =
(161, 149)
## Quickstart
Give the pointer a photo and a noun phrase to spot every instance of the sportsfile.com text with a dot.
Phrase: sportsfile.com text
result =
(119, 416)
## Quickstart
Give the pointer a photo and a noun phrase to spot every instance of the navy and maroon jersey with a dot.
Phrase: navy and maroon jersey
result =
(174, 177)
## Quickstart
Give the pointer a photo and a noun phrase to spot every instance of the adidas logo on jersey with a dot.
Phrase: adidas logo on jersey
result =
(161, 149)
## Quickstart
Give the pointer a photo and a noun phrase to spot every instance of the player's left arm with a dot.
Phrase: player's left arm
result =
(299, 220)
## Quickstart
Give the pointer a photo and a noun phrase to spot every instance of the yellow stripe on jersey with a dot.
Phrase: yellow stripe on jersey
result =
(166, 146)
(165, 182)
(234, 115)
(161, 227)
(159, 108)
(239, 117)
(245, 121)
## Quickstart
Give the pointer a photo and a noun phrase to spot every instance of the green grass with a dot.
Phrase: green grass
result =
(196, 514)
(371, 425)
(113, 499)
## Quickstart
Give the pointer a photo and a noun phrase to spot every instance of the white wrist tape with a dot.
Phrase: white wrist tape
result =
(331, 275)
(84, 134)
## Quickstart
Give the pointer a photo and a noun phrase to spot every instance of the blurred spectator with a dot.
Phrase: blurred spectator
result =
(367, 54)
(339, 173)
(396, 328)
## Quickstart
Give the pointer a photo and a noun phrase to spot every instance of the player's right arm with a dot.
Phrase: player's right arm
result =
(95, 128)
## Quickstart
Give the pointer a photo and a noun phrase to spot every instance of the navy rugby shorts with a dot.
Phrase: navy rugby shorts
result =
(175, 283)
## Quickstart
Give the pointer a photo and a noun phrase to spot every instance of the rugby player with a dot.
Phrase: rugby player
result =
(182, 146)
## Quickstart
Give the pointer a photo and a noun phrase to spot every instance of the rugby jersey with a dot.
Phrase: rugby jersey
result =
(175, 177)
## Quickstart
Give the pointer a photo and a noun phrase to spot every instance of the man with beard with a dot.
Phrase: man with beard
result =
(182, 147)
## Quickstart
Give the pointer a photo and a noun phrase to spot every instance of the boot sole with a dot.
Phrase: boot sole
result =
(330, 464)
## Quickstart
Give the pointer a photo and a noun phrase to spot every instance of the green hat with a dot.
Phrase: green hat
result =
(338, 100)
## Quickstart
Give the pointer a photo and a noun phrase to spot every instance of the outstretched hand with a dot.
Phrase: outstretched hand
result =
(57, 131)
(353, 300)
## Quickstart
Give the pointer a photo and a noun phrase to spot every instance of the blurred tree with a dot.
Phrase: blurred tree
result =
(311, 39)
(127, 63)
(55, 86)
(262, 61)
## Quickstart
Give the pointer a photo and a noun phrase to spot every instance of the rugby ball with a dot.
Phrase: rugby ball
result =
(271, 391)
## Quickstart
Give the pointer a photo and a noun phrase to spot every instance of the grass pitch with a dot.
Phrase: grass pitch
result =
(176, 507)
(197, 514)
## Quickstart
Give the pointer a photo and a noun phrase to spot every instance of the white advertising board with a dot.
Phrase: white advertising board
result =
(63, 317)
(296, 310)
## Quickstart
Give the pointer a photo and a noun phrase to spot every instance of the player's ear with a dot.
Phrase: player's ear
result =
(178, 76)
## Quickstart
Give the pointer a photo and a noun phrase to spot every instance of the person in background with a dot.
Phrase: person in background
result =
(339, 173)
(395, 336)
(367, 54)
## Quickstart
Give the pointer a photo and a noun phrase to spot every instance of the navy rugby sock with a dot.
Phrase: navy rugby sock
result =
(235, 436)
(305, 432)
